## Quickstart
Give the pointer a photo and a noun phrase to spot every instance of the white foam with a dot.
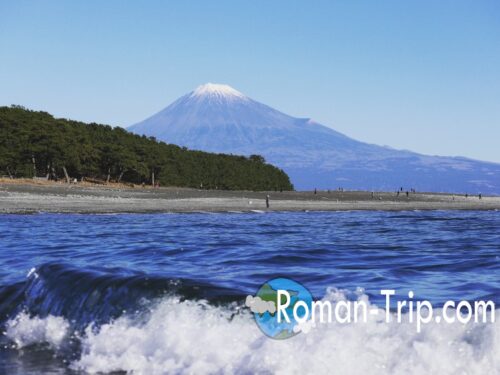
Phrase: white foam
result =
(33, 272)
(192, 337)
(25, 330)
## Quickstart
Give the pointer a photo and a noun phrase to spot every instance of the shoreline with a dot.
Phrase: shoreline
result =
(25, 198)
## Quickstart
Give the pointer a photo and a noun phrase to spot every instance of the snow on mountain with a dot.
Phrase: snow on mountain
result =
(218, 118)
(217, 90)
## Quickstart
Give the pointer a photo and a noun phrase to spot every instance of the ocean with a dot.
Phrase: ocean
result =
(165, 293)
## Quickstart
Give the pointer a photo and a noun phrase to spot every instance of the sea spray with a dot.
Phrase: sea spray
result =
(185, 336)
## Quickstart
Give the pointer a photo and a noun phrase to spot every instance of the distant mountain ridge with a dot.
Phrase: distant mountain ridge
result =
(218, 118)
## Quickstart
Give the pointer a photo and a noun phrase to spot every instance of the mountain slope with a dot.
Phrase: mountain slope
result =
(218, 118)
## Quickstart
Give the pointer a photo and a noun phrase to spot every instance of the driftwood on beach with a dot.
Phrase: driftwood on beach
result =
(94, 180)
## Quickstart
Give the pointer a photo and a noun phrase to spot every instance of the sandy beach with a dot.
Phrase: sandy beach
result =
(62, 198)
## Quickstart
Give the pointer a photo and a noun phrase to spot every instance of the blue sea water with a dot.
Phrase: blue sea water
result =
(63, 277)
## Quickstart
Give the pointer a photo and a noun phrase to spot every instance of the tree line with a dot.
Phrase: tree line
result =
(35, 144)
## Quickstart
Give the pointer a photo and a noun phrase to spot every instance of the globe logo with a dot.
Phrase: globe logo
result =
(283, 318)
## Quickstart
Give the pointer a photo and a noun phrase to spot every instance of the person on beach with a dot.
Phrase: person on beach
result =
(267, 200)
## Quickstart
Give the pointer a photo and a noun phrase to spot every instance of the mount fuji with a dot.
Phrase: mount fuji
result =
(218, 118)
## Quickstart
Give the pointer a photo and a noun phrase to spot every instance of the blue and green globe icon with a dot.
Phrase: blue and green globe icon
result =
(295, 302)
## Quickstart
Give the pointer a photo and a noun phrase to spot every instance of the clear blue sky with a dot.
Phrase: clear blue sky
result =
(419, 75)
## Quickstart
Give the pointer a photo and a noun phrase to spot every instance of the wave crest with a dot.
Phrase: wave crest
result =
(186, 336)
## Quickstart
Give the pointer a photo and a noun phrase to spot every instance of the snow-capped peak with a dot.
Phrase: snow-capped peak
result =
(216, 89)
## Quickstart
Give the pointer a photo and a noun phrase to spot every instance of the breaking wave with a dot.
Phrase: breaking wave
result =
(98, 322)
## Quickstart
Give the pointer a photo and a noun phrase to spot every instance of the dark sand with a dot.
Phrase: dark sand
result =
(62, 198)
